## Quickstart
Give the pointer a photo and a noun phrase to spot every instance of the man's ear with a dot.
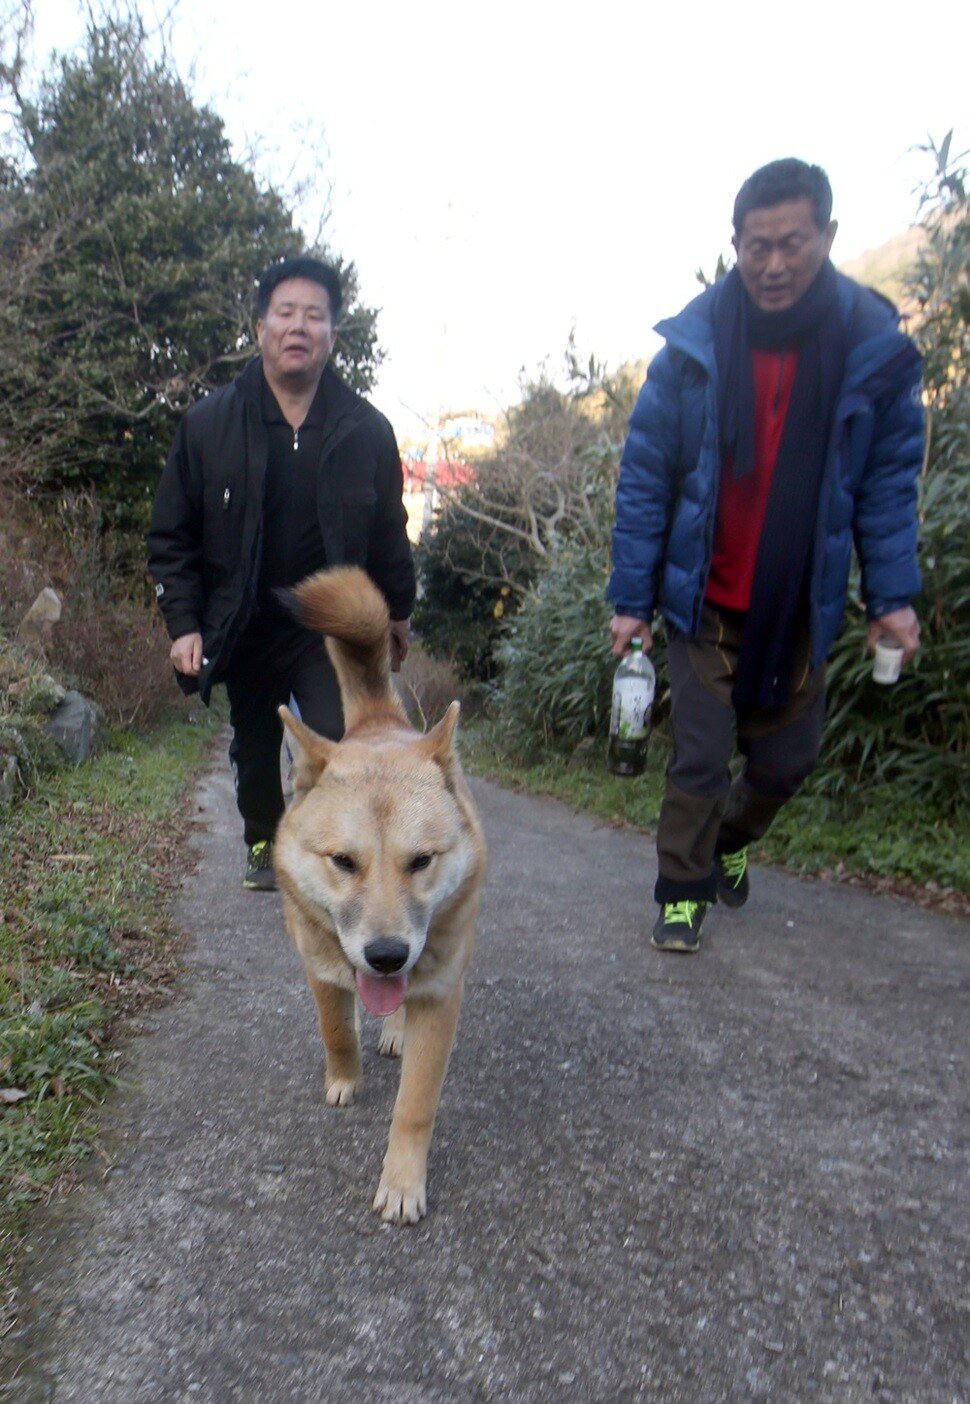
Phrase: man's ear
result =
(830, 232)
(260, 325)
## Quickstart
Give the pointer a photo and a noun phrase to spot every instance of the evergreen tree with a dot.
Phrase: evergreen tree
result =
(130, 242)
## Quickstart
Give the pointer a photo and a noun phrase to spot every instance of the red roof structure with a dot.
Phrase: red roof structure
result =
(448, 472)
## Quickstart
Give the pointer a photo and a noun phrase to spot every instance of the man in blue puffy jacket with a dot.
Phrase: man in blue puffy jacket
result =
(781, 422)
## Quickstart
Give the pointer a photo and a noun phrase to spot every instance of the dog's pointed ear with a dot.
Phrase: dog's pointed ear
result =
(439, 743)
(311, 752)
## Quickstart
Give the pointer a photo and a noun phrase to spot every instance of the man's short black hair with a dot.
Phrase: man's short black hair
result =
(302, 266)
(788, 179)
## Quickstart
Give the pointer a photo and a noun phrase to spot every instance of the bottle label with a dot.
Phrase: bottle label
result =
(632, 705)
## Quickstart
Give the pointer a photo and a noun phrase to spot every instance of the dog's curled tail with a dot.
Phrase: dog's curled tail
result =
(345, 605)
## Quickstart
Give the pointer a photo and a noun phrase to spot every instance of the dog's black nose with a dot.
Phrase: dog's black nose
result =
(386, 955)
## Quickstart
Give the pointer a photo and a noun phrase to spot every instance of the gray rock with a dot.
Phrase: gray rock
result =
(37, 625)
(9, 776)
(78, 726)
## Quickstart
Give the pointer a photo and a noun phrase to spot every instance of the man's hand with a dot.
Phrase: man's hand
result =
(901, 625)
(623, 628)
(186, 655)
(400, 637)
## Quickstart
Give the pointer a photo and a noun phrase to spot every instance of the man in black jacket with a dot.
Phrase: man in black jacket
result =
(275, 476)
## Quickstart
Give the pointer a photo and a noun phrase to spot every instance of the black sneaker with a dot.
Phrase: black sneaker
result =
(678, 926)
(260, 876)
(731, 873)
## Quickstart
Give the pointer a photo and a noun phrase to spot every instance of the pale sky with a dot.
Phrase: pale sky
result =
(507, 173)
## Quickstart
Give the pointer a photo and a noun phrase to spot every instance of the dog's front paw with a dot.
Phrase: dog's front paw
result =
(391, 1043)
(401, 1204)
(342, 1092)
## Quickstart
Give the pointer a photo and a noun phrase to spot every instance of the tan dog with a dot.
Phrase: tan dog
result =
(380, 861)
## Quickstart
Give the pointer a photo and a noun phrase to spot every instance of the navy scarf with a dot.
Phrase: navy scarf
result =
(779, 594)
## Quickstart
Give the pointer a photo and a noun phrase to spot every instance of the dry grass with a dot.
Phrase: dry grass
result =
(427, 687)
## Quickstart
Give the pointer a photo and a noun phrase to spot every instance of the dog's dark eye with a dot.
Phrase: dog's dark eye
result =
(420, 862)
(344, 862)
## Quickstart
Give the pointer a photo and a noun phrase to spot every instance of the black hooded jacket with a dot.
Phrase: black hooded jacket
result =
(205, 538)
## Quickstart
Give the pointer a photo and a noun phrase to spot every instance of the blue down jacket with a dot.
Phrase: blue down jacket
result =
(669, 473)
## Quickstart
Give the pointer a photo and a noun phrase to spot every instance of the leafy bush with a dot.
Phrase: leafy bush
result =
(548, 488)
(908, 735)
(917, 734)
(557, 669)
(463, 598)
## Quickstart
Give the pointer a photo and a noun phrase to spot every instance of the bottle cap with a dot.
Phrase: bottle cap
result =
(636, 644)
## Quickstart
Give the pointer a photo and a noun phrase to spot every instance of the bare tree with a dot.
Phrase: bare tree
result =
(550, 482)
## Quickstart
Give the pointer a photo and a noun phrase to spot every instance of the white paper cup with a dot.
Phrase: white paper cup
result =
(888, 661)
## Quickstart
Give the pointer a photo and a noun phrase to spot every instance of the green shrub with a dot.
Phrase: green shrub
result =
(557, 668)
(547, 488)
(464, 593)
(916, 735)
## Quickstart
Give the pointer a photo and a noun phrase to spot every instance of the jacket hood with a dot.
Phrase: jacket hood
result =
(692, 329)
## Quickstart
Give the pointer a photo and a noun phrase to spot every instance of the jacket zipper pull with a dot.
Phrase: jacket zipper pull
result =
(225, 500)
(296, 439)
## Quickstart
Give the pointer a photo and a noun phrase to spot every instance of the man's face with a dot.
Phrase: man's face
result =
(297, 334)
(780, 250)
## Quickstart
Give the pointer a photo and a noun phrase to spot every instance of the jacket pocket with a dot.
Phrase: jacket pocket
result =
(223, 525)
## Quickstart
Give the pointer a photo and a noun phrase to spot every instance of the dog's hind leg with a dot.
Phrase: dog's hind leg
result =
(401, 1195)
(337, 1010)
(392, 1034)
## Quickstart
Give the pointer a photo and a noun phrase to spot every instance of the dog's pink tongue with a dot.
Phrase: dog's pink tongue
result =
(382, 994)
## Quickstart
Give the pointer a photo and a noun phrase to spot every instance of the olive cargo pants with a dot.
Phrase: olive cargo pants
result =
(704, 811)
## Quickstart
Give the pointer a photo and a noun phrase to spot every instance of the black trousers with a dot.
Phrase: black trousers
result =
(704, 810)
(267, 668)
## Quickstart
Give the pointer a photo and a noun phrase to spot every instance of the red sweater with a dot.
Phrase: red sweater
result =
(741, 505)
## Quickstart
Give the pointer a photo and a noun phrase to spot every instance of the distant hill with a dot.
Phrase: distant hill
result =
(884, 268)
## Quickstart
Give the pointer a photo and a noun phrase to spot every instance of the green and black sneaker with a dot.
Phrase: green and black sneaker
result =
(260, 875)
(678, 926)
(731, 874)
